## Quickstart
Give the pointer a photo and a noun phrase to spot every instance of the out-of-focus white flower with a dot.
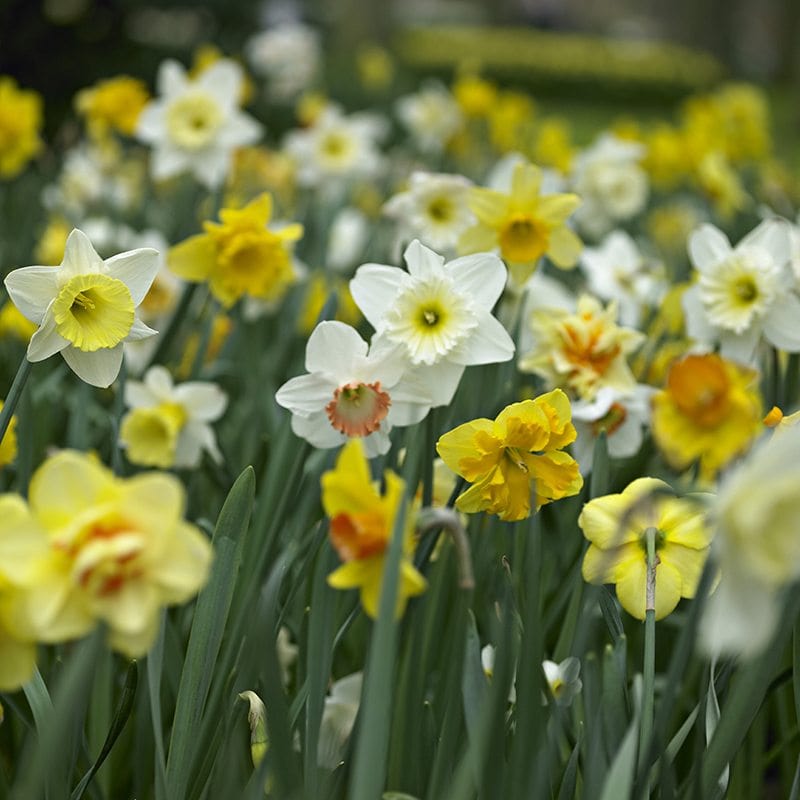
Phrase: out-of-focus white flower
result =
(440, 314)
(338, 718)
(337, 147)
(347, 239)
(287, 653)
(757, 547)
(434, 209)
(169, 425)
(610, 182)
(563, 680)
(350, 392)
(195, 125)
(432, 116)
(487, 662)
(85, 308)
(743, 293)
(617, 270)
(288, 56)
(622, 416)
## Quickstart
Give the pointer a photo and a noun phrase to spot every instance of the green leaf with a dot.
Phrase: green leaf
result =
(619, 780)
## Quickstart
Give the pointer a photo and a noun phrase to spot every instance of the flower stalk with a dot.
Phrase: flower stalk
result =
(649, 668)
(14, 394)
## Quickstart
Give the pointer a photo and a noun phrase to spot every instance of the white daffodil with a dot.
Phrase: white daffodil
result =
(610, 182)
(195, 125)
(617, 270)
(85, 308)
(432, 116)
(337, 147)
(288, 56)
(338, 718)
(440, 313)
(434, 209)
(622, 416)
(347, 239)
(168, 425)
(743, 293)
(351, 392)
(563, 680)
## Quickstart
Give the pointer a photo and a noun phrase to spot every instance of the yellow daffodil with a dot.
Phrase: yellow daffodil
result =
(20, 124)
(119, 550)
(516, 460)
(240, 255)
(361, 526)
(710, 411)
(553, 145)
(21, 545)
(14, 325)
(475, 95)
(617, 524)
(584, 351)
(524, 224)
(112, 105)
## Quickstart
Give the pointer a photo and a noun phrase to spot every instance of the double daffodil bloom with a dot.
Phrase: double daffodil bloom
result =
(85, 308)
(240, 255)
(617, 524)
(516, 460)
(361, 526)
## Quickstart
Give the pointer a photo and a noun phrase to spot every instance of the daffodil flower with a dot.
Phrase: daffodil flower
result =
(515, 460)
(85, 308)
(617, 525)
(361, 526)
(439, 313)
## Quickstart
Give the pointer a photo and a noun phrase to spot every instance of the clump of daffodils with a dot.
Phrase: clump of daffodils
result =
(169, 425)
(617, 526)
(516, 463)
(20, 126)
(85, 308)
(241, 255)
(362, 521)
(107, 549)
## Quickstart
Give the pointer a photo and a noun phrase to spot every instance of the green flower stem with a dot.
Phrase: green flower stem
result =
(428, 458)
(649, 668)
(14, 393)
(173, 328)
(205, 339)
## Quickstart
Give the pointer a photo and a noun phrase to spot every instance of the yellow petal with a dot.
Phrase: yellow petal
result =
(348, 487)
(458, 450)
(555, 208)
(687, 562)
(607, 566)
(193, 259)
(556, 474)
(477, 239)
(526, 183)
(17, 660)
(565, 247)
(489, 206)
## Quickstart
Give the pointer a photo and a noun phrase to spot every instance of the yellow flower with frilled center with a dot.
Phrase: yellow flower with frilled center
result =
(361, 526)
(119, 550)
(112, 105)
(150, 435)
(20, 124)
(584, 350)
(710, 411)
(524, 224)
(515, 461)
(240, 255)
(8, 445)
(617, 524)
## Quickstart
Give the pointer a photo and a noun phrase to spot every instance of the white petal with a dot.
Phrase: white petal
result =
(422, 262)
(317, 430)
(80, 257)
(773, 236)
(137, 395)
(440, 380)
(782, 324)
(489, 343)
(193, 439)
(374, 290)
(222, 80)
(31, 289)
(627, 439)
(306, 394)
(695, 318)
(333, 347)
(150, 125)
(482, 276)
(99, 368)
(597, 408)
(171, 78)
(167, 160)
(205, 402)
(741, 347)
(708, 246)
(139, 331)
(136, 269)
(212, 167)
(378, 443)
(239, 131)
(158, 381)
(46, 341)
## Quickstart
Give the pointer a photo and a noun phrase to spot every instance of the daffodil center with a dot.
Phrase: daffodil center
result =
(524, 238)
(150, 435)
(336, 147)
(359, 535)
(611, 421)
(93, 312)
(193, 120)
(357, 409)
(440, 209)
(746, 290)
(700, 388)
